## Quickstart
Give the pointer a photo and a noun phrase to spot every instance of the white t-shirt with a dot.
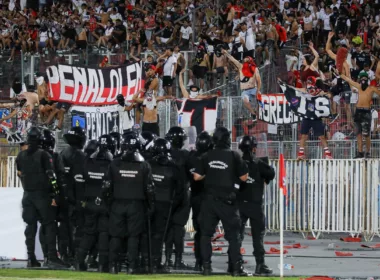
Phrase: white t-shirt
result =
(235, 22)
(44, 36)
(126, 122)
(114, 17)
(289, 61)
(13, 94)
(249, 39)
(186, 32)
(169, 66)
(375, 115)
(326, 21)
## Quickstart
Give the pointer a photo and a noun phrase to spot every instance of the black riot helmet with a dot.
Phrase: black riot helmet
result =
(34, 136)
(221, 138)
(75, 137)
(176, 136)
(247, 144)
(107, 143)
(91, 147)
(161, 147)
(204, 142)
(47, 140)
(130, 142)
(149, 139)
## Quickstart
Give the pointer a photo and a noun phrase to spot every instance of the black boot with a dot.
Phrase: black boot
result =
(359, 155)
(44, 264)
(168, 261)
(144, 266)
(132, 268)
(103, 268)
(92, 263)
(230, 268)
(198, 266)
(80, 266)
(207, 270)
(114, 269)
(68, 259)
(56, 263)
(238, 270)
(32, 262)
(158, 267)
(261, 267)
(180, 264)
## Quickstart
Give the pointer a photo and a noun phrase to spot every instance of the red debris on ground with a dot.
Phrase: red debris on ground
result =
(311, 238)
(373, 246)
(272, 242)
(351, 239)
(217, 249)
(318, 278)
(242, 251)
(218, 236)
(275, 251)
(343, 254)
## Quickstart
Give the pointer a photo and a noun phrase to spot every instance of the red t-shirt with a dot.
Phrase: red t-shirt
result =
(281, 32)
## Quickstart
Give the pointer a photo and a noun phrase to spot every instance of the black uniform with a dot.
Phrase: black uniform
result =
(73, 159)
(95, 211)
(176, 233)
(130, 178)
(34, 166)
(251, 204)
(221, 168)
(169, 190)
(197, 194)
(55, 211)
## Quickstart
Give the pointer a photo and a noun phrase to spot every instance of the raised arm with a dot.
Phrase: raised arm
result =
(232, 59)
(316, 55)
(135, 98)
(351, 82)
(184, 91)
(328, 46)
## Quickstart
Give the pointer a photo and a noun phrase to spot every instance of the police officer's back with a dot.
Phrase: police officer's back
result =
(203, 145)
(96, 210)
(168, 190)
(177, 136)
(131, 189)
(148, 139)
(251, 199)
(36, 171)
(47, 142)
(221, 168)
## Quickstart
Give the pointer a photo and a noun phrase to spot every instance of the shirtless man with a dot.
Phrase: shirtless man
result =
(149, 105)
(271, 36)
(46, 106)
(249, 85)
(308, 26)
(342, 87)
(194, 90)
(363, 115)
(219, 65)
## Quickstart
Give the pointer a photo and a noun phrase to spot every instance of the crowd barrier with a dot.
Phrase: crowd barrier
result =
(323, 196)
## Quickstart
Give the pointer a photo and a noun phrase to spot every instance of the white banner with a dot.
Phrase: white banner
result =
(98, 121)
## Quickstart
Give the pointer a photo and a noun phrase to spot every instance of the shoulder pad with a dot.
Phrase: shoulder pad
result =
(138, 157)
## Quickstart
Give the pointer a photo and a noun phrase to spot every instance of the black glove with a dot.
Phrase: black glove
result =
(120, 99)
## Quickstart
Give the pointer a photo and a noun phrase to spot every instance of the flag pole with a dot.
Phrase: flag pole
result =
(281, 234)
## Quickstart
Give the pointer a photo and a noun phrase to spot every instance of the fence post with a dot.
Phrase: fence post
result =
(229, 113)
(31, 76)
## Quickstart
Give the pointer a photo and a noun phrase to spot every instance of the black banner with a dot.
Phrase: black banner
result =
(306, 106)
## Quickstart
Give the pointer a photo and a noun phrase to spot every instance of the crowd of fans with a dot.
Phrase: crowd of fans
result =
(258, 29)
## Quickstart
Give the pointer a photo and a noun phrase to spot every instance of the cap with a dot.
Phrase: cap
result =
(363, 74)
(152, 67)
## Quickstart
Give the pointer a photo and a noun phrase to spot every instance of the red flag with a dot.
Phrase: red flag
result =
(282, 175)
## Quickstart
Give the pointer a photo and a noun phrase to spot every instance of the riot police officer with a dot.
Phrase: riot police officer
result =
(176, 235)
(203, 144)
(131, 189)
(148, 139)
(73, 159)
(251, 199)
(47, 142)
(220, 168)
(36, 171)
(90, 148)
(169, 188)
(95, 209)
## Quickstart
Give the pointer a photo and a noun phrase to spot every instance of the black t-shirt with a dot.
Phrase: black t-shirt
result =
(120, 36)
(361, 59)
(167, 33)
